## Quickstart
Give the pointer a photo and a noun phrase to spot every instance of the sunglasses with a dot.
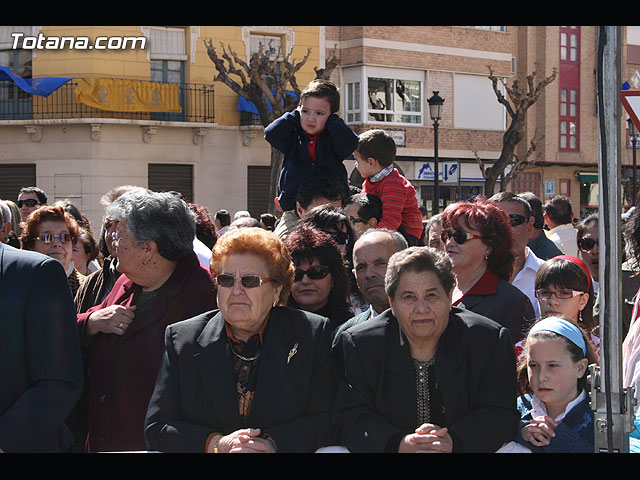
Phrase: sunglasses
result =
(460, 236)
(49, 237)
(29, 202)
(341, 238)
(559, 294)
(516, 220)
(355, 220)
(315, 272)
(247, 281)
(586, 244)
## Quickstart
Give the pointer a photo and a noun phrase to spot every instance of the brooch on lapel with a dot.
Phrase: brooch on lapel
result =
(292, 352)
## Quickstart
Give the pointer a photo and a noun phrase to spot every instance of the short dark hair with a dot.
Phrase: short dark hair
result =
(558, 209)
(315, 186)
(514, 198)
(224, 217)
(536, 209)
(369, 205)
(419, 259)
(42, 197)
(377, 144)
(323, 89)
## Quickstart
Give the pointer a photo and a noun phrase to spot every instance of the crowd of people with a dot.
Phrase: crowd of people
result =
(349, 322)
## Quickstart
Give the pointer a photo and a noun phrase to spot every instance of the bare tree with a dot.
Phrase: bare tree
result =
(520, 99)
(266, 80)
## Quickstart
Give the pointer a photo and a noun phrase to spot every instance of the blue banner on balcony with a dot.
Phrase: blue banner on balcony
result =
(245, 105)
(35, 86)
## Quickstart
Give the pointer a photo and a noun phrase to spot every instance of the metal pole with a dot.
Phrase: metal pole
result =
(635, 184)
(608, 398)
(436, 179)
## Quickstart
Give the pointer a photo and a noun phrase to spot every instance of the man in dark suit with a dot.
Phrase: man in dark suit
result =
(371, 253)
(40, 362)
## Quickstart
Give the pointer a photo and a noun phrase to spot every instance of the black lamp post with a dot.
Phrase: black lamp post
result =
(435, 112)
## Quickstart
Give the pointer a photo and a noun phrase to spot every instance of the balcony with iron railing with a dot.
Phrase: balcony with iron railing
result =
(196, 101)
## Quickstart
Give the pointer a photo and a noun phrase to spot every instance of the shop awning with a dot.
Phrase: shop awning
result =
(588, 177)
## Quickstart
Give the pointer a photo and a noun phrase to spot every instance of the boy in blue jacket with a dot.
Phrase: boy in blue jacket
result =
(314, 140)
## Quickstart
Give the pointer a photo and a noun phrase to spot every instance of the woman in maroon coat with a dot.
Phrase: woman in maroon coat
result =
(162, 283)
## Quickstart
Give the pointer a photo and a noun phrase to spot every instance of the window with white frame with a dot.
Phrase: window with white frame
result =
(383, 95)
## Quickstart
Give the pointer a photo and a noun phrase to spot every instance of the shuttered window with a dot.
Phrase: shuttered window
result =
(13, 177)
(258, 180)
(168, 177)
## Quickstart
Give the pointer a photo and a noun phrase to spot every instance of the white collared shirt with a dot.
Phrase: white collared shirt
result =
(526, 278)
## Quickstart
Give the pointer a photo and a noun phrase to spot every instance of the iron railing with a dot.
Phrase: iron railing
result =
(197, 101)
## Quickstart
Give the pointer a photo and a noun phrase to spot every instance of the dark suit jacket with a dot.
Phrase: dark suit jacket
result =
(40, 363)
(195, 394)
(376, 393)
(508, 306)
(123, 369)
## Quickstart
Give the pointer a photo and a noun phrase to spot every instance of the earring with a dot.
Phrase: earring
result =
(276, 302)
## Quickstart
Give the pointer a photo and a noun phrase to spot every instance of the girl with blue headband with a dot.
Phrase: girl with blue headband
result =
(555, 413)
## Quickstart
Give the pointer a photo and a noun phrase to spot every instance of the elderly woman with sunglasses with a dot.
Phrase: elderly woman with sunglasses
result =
(253, 376)
(161, 282)
(52, 231)
(478, 239)
(320, 283)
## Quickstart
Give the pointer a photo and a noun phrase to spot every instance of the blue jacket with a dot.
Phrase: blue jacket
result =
(334, 145)
(574, 434)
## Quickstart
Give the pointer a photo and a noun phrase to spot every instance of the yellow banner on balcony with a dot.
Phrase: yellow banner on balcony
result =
(127, 95)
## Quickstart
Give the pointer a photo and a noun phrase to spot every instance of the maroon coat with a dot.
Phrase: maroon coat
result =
(123, 369)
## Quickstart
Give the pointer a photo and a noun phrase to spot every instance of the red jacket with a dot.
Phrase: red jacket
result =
(399, 203)
(123, 369)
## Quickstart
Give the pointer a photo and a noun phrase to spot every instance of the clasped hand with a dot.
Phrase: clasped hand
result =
(427, 438)
(539, 431)
(245, 440)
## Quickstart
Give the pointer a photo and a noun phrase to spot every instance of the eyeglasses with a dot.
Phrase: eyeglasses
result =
(315, 272)
(586, 244)
(559, 294)
(49, 237)
(340, 237)
(29, 202)
(517, 220)
(247, 281)
(460, 236)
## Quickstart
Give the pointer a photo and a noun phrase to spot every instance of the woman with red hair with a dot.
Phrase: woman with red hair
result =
(52, 231)
(477, 238)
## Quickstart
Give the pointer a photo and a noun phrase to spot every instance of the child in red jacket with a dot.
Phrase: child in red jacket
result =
(374, 160)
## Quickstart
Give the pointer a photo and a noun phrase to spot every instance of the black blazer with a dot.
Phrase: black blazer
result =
(376, 394)
(508, 306)
(40, 363)
(195, 394)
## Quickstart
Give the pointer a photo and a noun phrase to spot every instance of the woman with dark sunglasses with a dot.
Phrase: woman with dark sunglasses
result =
(477, 237)
(321, 284)
(253, 376)
(588, 248)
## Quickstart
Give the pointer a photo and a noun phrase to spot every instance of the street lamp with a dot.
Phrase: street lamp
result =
(435, 112)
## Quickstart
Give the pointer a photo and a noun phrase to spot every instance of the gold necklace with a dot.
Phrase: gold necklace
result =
(246, 359)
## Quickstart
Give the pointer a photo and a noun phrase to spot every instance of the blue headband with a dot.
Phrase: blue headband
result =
(561, 327)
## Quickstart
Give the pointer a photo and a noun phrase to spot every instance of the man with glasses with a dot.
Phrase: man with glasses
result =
(30, 199)
(526, 264)
(371, 254)
(365, 211)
